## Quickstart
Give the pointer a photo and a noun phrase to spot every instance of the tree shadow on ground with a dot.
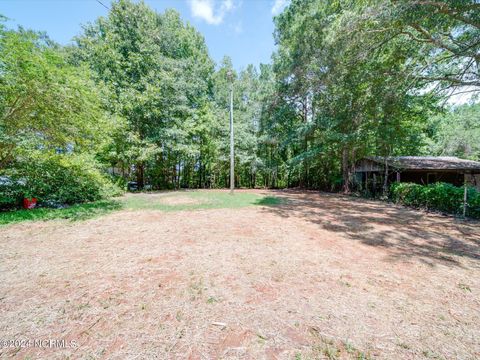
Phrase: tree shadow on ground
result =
(404, 233)
(271, 201)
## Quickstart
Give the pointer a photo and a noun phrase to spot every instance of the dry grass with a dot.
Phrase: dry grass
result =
(320, 276)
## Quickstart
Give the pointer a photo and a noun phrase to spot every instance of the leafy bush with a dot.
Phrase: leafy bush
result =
(439, 196)
(65, 179)
(11, 192)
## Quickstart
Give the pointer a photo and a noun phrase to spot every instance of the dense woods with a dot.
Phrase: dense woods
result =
(139, 98)
(364, 77)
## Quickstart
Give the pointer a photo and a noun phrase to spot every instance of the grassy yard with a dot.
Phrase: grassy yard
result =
(163, 201)
(196, 200)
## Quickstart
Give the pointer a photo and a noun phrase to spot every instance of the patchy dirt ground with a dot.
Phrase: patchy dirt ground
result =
(322, 276)
(168, 198)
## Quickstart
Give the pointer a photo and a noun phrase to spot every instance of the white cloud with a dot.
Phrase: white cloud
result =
(211, 11)
(278, 6)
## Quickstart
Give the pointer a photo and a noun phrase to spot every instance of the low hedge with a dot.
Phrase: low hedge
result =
(437, 197)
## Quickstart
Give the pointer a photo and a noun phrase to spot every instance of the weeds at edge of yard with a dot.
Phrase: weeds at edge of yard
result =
(76, 212)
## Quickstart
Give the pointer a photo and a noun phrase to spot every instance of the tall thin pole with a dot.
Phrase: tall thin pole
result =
(232, 158)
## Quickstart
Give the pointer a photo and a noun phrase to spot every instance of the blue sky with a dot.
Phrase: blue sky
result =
(241, 29)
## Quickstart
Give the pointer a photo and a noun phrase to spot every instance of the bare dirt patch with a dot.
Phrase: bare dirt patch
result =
(166, 198)
(319, 276)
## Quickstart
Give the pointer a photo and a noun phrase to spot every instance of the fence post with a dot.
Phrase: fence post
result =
(465, 199)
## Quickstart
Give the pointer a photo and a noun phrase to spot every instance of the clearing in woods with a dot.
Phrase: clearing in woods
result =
(270, 275)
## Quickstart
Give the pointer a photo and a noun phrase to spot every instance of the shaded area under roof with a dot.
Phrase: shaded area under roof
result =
(427, 162)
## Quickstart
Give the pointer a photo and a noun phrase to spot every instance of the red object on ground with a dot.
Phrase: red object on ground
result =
(29, 203)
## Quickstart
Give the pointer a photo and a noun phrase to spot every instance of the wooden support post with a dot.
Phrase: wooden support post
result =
(398, 176)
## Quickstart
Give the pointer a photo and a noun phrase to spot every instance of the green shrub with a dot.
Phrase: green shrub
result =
(439, 197)
(11, 192)
(65, 179)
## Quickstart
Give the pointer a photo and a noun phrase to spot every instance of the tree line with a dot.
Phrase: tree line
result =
(137, 97)
(364, 78)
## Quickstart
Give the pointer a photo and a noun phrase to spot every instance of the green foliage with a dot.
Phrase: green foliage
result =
(363, 77)
(344, 83)
(456, 132)
(11, 193)
(157, 71)
(445, 38)
(64, 179)
(44, 101)
(162, 81)
(76, 212)
(438, 197)
(52, 124)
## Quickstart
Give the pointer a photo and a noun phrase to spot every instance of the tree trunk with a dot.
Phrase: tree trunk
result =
(345, 171)
(352, 167)
(174, 176)
(385, 180)
(140, 175)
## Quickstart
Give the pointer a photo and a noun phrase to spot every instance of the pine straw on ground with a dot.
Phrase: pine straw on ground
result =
(320, 276)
